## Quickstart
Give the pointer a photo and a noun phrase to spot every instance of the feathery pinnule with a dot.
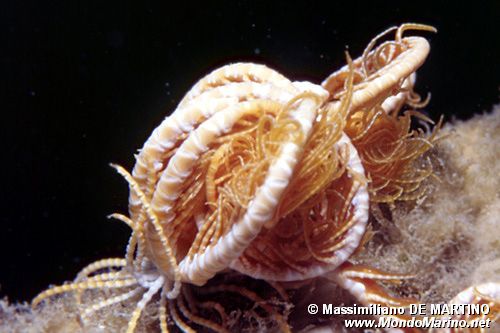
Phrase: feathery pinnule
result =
(390, 150)
(380, 73)
(271, 178)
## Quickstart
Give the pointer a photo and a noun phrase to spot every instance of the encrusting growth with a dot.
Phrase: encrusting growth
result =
(270, 178)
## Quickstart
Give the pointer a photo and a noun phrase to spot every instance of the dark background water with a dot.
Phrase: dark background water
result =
(84, 83)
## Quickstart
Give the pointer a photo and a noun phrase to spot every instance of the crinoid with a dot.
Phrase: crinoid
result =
(270, 178)
(389, 149)
(476, 304)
